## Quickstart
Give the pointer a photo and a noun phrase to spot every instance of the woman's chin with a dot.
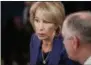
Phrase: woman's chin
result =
(42, 37)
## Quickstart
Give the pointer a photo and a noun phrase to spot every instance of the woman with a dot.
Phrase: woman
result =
(46, 44)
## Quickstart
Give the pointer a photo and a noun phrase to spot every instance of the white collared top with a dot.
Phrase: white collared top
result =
(88, 61)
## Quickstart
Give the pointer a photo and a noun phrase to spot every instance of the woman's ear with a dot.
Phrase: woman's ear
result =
(56, 27)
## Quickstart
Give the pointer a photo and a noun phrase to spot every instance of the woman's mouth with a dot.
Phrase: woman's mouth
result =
(41, 34)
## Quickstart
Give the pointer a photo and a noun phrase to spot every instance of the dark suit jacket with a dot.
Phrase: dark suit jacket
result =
(57, 56)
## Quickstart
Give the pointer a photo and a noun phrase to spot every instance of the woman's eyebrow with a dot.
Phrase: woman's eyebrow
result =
(35, 17)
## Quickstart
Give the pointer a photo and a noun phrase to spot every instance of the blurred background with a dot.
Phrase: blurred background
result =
(16, 30)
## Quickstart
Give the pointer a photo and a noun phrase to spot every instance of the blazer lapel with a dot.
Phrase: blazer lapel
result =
(35, 50)
(55, 54)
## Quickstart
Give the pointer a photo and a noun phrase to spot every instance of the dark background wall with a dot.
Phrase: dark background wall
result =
(15, 38)
(15, 8)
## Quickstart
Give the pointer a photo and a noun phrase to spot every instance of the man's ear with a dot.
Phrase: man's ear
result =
(75, 43)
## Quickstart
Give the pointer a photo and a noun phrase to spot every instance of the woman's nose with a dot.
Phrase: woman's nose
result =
(41, 26)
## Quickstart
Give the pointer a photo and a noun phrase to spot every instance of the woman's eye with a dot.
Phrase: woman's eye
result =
(36, 20)
(47, 22)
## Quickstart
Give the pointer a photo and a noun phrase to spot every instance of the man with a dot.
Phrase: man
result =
(76, 32)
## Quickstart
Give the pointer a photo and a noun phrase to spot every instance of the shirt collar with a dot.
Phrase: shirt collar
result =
(88, 61)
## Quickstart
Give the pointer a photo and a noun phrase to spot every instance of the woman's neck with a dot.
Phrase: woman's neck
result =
(47, 44)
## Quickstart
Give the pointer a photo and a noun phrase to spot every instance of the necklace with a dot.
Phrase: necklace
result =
(45, 60)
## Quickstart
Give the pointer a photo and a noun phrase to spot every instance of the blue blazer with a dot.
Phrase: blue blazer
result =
(57, 56)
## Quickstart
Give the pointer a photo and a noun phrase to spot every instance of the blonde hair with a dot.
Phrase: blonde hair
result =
(55, 12)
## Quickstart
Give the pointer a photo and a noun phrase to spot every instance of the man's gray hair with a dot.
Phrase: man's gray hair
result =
(80, 23)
